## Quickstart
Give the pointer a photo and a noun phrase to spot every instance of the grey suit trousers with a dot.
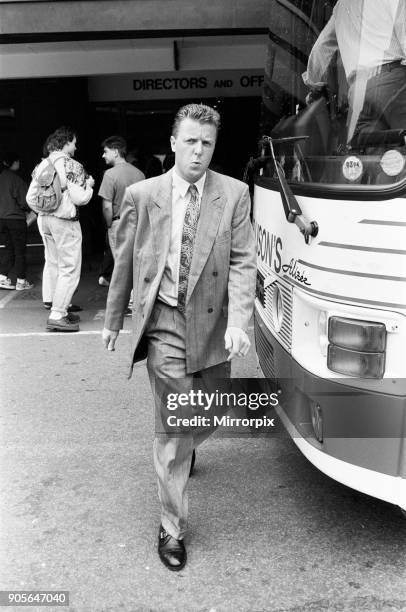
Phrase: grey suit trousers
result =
(166, 363)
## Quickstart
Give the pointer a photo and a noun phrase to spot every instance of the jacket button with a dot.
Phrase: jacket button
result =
(215, 273)
(146, 279)
(210, 310)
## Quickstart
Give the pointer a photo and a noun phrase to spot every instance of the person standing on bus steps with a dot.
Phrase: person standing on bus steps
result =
(371, 39)
(186, 242)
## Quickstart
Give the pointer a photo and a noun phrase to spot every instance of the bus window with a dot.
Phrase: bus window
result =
(335, 79)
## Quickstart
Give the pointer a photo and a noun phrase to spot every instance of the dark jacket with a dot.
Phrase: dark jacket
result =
(12, 195)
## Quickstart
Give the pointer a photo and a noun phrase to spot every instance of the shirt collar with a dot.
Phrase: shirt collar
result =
(182, 186)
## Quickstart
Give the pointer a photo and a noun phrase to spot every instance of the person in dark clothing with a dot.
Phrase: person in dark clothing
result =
(12, 161)
(13, 226)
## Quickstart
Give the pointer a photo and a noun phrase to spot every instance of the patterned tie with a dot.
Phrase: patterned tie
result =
(186, 249)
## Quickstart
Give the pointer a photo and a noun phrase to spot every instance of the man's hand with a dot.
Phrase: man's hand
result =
(109, 338)
(90, 181)
(236, 342)
(314, 94)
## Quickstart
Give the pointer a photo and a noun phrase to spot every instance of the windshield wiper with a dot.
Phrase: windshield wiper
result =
(293, 212)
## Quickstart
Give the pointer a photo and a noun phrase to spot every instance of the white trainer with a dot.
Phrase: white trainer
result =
(5, 283)
(23, 285)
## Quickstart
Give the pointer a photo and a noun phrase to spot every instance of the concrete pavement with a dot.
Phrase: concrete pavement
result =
(268, 532)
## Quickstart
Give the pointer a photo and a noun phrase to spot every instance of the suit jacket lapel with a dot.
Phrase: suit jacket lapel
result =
(160, 216)
(211, 211)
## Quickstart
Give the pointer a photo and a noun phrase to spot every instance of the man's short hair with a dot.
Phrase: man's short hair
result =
(58, 139)
(10, 157)
(116, 142)
(197, 112)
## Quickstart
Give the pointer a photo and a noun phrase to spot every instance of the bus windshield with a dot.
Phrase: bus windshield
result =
(335, 92)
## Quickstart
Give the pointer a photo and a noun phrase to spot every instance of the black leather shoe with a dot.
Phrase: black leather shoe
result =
(192, 463)
(63, 325)
(172, 552)
(72, 317)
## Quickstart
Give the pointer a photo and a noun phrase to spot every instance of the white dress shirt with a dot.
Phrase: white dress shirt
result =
(168, 289)
(367, 34)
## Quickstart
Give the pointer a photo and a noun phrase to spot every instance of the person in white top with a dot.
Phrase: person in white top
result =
(371, 40)
(61, 232)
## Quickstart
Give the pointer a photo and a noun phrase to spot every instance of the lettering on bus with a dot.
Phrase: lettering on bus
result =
(269, 247)
(296, 273)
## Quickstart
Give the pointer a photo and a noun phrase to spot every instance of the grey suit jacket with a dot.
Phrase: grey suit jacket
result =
(221, 286)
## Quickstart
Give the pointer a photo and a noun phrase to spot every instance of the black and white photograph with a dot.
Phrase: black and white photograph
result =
(203, 305)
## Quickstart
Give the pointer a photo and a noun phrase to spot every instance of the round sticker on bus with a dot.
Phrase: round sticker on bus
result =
(352, 168)
(392, 162)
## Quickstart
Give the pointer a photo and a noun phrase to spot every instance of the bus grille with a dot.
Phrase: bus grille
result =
(284, 335)
(265, 352)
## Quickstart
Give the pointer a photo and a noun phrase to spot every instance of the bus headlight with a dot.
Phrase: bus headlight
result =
(354, 363)
(357, 335)
(356, 348)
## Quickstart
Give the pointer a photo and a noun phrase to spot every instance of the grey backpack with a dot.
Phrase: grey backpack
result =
(45, 192)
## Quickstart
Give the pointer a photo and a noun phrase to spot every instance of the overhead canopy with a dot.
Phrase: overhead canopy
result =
(120, 56)
(142, 17)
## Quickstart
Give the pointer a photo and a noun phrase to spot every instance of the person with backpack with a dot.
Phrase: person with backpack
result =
(13, 226)
(60, 184)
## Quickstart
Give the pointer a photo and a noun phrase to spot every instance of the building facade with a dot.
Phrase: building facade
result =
(125, 66)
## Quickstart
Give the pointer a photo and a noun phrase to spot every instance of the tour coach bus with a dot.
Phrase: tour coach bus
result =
(330, 217)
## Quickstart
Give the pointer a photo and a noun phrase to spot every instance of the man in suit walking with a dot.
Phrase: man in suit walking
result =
(186, 245)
